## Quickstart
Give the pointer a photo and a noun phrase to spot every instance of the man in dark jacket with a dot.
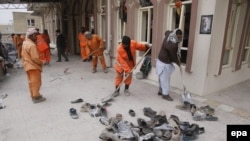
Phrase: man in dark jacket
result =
(169, 54)
(61, 46)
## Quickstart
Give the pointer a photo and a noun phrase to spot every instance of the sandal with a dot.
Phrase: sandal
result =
(73, 113)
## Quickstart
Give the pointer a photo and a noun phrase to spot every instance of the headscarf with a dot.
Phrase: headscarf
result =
(88, 35)
(31, 31)
(173, 38)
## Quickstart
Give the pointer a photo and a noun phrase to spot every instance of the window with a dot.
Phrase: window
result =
(145, 24)
(181, 19)
(103, 19)
(246, 52)
(31, 22)
(122, 14)
(235, 35)
(231, 33)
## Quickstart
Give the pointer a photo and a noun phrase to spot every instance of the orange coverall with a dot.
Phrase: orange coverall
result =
(123, 64)
(83, 46)
(46, 54)
(95, 44)
(42, 46)
(33, 66)
(19, 42)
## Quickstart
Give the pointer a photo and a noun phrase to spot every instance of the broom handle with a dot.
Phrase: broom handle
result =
(91, 53)
(133, 69)
(183, 83)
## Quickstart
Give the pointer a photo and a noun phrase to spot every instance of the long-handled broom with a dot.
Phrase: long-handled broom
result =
(186, 96)
(110, 97)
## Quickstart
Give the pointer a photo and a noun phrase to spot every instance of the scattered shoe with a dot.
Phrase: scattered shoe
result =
(104, 121)
(73, 113)
(207, 110)
(38, 99)
(147, 111)
(211, 118)
(85, 107)
(126, 92)
(3, 96)
(77, 100)
(167, 97)
(131, 113)
(142, 123)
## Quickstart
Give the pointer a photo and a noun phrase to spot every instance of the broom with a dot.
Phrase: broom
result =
(186, 96)
(110, 97)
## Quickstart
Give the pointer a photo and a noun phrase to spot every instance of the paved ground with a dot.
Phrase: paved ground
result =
(50, 121)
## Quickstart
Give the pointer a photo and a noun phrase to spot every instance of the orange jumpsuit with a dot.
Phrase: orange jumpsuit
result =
(83, 47)
(46, 54)
(95, 44)
(19, 42)
(42, 46)
(123, 64)
(33, 66)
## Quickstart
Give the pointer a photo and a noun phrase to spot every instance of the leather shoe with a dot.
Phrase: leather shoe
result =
(167, 97)
(77, 100)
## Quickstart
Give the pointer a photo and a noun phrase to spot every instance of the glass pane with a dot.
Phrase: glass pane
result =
(144, 26)
(225, 58)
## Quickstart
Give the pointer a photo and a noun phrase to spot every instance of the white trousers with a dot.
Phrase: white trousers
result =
(164, 72)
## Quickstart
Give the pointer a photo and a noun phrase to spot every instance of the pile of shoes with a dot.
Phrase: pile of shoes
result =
(158, 128)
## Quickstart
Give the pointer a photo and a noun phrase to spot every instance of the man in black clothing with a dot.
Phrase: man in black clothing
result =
(61, 46)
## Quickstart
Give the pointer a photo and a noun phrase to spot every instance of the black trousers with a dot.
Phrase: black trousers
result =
(61, 52)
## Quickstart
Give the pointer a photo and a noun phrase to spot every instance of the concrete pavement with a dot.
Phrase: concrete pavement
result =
(50, 120)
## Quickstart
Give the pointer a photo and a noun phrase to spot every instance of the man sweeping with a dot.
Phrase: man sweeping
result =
(126, 61)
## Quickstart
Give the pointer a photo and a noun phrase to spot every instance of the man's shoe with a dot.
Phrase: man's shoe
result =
(79, 100)
(167, 97)
(94, 71)
(67, 60)
(159, 93)
(58, 61)
(126, 92)
(38, 99)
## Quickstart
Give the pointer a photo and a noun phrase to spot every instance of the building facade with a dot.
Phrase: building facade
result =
(215, 48)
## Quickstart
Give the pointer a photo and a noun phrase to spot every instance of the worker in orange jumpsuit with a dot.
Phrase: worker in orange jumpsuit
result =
(19, 42)
(42, 46)
(125, 62)
(46, 52)
(84, 50)
(32, 65)
(95, 44)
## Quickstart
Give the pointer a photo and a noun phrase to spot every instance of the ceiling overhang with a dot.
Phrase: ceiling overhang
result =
(26, 1)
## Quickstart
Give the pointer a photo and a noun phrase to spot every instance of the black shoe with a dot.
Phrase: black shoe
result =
(159, 93)
(58, 61)
(77, 100)
(131, 113)
(67, 60)
(73, 113)
(167, 97)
